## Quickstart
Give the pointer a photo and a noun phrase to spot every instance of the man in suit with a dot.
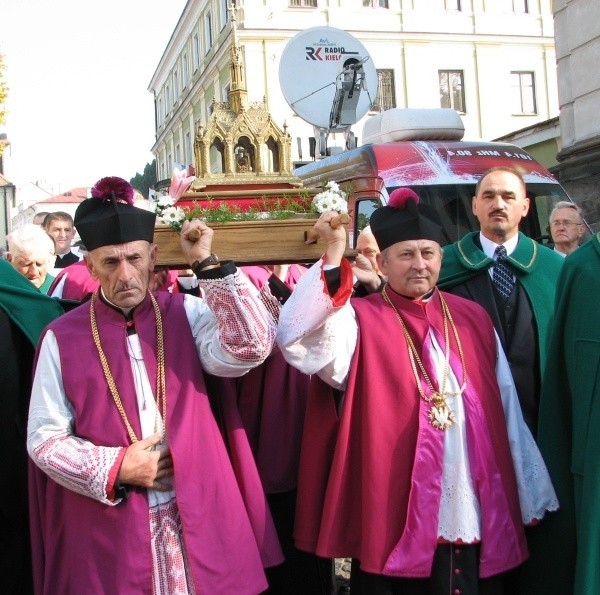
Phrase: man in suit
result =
(511, 276)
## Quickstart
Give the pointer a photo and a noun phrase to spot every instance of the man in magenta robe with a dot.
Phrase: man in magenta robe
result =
(135, 489)
(272, 401)
(416, 461)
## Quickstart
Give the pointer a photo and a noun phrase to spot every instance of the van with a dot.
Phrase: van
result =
(423, 149)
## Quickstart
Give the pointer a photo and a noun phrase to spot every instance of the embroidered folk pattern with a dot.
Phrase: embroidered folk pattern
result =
(244, 327)
(171, 567)
(77, 464)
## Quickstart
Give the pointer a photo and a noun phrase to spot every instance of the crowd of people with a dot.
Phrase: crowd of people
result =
(425, 410)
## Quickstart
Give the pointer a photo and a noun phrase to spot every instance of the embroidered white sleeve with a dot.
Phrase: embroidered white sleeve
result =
(77, 465)
(233, 330)
(536, 493)
(72, 462)
(315, 336)
(270, 302)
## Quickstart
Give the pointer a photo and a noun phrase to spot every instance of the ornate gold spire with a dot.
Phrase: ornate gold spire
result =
(238, 94)
(240, 142)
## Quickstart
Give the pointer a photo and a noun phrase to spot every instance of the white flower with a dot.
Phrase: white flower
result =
(167, 213)
(331, 199)
(165, 201)
(170, 215)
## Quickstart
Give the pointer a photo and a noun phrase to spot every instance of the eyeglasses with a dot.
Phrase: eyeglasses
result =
(567, 224)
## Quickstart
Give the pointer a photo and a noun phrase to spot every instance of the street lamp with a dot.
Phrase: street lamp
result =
(7, 200)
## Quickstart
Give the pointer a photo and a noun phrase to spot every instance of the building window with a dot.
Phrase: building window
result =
(309, 3)
(520, 6)
(376, 3)
(452, 90)
(167, 99)
(196, 51)
(186, 69)
(451, 4)
(208, 36)
(224, 13)
(161, 115)
(386, 97)
(175, 85)
(523, 93)
(188, 148)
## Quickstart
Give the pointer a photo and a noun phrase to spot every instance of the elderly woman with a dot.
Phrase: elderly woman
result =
(31, 252)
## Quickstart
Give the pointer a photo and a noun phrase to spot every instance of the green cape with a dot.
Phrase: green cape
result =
(29, 308)
(45, 286)
(536, 267)
(568, 430)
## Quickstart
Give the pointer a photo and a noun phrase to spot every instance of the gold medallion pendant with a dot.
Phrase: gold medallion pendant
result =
(441, 417)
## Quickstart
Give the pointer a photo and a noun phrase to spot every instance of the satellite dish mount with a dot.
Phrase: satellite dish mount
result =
(340, 72)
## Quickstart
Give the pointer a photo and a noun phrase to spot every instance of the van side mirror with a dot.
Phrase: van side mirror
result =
(363, 209)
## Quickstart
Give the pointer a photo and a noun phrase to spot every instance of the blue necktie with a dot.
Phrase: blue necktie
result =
(501, 275)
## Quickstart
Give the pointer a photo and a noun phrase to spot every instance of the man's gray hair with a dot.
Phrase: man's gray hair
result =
(566, 204)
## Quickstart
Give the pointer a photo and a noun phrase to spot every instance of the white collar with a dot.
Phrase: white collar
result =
(489, 247)
(126, 311)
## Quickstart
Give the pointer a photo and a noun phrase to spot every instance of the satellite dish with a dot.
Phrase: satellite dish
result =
(328, 78)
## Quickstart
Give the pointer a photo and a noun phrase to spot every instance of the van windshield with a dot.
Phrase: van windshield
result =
(453, 203)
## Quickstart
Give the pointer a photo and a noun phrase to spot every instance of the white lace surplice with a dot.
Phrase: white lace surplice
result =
(318, 338)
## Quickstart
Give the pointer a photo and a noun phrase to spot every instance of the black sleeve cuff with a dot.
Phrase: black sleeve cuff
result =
(227, 268)
(333, 278)
(121, 492)
(280, 291)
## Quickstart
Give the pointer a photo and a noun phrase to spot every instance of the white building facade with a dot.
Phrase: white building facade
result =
(491, 60)
(578, 53)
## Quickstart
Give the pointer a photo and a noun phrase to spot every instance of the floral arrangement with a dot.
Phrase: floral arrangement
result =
(221, 211)
(168, 213)
(164, 207)
(333, 198)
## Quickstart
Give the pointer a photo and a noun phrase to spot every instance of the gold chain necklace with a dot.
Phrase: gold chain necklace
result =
(440, 416)
(161, 394)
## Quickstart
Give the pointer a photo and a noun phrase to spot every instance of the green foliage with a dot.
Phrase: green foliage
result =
(143, 182)
(219, 211)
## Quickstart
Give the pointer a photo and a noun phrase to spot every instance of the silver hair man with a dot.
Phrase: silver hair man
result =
(566, 227)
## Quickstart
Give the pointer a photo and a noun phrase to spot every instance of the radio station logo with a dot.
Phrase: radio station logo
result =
(324, 50)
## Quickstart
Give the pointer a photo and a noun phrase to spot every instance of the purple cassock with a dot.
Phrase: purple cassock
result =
(81, 545)
(272, 404)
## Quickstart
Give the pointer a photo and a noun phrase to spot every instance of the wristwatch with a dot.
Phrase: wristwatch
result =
(198, 266)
